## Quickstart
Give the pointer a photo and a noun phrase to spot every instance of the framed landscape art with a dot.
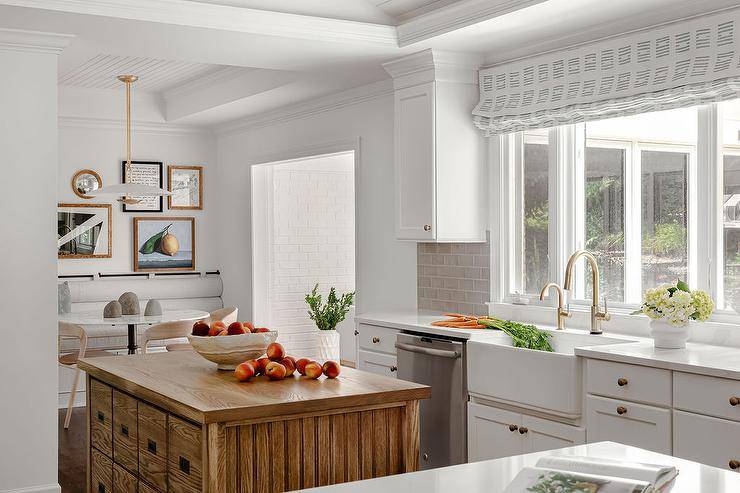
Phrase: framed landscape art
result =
(144, 173)
(84, 231)
(164, 244)
(186, 185)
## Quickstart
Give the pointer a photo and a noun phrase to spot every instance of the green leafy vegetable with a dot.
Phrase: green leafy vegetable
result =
(152, 244)
(522, 335)
(328, 316)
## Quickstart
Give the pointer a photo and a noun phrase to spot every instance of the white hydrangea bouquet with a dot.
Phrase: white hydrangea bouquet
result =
(671, 307)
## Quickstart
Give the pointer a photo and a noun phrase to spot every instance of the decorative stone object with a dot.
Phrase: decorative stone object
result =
(130, 303)
(64, 298)
(153, 307)
(112, 310)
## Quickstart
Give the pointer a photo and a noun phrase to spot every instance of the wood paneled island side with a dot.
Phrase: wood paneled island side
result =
(173, 422)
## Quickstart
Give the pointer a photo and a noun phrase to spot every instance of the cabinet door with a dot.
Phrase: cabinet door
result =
(415, 163)
(624, 422)
(380, 364)
(712, 441)
(493, 433)
(541, 434)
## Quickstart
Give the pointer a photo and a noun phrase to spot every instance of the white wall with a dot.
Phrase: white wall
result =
(99, 145)
(28, 139)
(386, 268)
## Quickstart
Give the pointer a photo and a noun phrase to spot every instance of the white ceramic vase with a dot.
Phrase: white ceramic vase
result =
(667, 336)
(329, 345)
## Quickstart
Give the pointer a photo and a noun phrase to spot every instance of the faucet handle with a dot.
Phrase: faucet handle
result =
(605, 314)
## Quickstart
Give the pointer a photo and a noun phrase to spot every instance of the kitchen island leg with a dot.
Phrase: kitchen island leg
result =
(411, 436)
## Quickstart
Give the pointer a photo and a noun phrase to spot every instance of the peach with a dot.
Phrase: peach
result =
(262, 364)
(275, 371)
(249, 326)
(256, 365)
(261, 329)
(289, 365)
(216, 328)
(236, 328)
(200, 328)
(224, 333)
(275, 351)
(244, 371)
(313, 370)
(331, 369)
(300, 365)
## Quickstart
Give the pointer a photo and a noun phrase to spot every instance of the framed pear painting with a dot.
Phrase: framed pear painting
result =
(164, 244)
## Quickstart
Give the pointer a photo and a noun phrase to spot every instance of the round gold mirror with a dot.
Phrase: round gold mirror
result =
(84, 182)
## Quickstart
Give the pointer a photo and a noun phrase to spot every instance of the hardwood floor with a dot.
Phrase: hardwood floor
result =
(72, 446)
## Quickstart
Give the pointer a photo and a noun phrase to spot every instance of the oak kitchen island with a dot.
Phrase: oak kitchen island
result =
(173, 422)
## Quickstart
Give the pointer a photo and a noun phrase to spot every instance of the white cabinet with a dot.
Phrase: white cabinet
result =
(712, 441)
(380, 364)
(494, 433)
(376, 349)
(625, 422)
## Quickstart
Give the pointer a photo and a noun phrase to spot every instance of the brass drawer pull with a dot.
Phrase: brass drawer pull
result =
(523, 430)
(621, 410)
(393, 368)
(357, 332)
(513, 427)
(734, 464)
(622, 382)
(124, 430)
(184, 465)
(427, 227)
(151, 446)
(734, 401)
(376, 340)
(101, 417)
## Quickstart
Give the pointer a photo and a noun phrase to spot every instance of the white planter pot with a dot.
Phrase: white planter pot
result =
(329, 345)
(667, 336)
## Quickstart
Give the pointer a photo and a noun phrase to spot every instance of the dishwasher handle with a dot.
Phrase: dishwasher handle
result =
(441, 353)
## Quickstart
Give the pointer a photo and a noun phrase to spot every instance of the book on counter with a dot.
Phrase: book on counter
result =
(568, 474)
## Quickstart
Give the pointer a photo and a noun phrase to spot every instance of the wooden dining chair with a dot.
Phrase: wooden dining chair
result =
(225, 315)
(166, 331)
(69, 360)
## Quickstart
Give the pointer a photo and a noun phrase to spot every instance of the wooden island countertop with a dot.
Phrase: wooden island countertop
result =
(219, 434)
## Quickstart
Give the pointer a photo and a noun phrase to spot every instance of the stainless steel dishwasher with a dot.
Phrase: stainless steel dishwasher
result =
(439, 363)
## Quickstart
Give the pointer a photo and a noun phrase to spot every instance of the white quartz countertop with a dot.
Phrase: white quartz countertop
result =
(704, 359)
(494, 475)
(418, 321)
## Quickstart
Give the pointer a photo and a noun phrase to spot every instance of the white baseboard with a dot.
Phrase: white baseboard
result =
(45, 488)
(80, 401)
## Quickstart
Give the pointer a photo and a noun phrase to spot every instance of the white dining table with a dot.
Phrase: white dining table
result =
(87, 318)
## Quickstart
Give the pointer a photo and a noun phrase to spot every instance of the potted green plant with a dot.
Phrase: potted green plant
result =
(671, 308)
(327, 316)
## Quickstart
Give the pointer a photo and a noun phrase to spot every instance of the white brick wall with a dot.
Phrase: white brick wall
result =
(312, 241)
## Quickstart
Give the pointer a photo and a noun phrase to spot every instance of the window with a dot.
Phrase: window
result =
(731, 203)
(535, 223)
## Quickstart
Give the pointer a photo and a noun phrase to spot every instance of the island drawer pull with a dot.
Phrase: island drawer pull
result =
(101, 416)
(428, 351)
(513, 428)
(101, 487)
(151, 446)
(184, 465)
(734, 401)
(523, 430)
(621, 410)
(734, 464)
(124, 430)
(622, 382)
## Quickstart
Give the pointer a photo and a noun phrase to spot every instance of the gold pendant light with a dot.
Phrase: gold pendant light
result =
(127, 191)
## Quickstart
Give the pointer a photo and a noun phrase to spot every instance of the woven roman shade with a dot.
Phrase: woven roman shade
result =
(682, 64)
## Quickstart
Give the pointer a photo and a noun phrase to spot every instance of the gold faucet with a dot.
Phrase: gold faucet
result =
(597, 316)
(562, 313)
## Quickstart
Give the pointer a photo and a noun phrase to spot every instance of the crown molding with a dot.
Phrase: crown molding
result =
(137, 127)
(225, 17)
(309, 108)
(34, 41)
(433, 65)
(456, 16)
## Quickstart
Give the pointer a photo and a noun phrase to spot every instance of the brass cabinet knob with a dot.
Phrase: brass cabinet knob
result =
(513, 427)
(734, 401)
(393, 368)
(622, 382)
(734, 464)
(376, 340)
(621, 410)
(523, 430)
(427, 227)
(357, 332)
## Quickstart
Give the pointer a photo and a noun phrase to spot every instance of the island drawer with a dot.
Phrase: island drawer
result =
(124, 481)
(101, 417)
(125, 431)
(101, 472)
(375, 338)
(185, 456)
(707, 395)
(630, 382)
(153, 446)
(712, 441)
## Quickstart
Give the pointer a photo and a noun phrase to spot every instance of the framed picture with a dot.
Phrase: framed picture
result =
(84, 231)
(144, 173)
(164, 244)
(186, 185)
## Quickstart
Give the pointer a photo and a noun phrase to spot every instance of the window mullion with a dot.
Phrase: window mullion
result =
(516, 218)
(633, 226)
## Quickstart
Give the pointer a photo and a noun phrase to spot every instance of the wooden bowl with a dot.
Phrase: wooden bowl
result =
(229, 351)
